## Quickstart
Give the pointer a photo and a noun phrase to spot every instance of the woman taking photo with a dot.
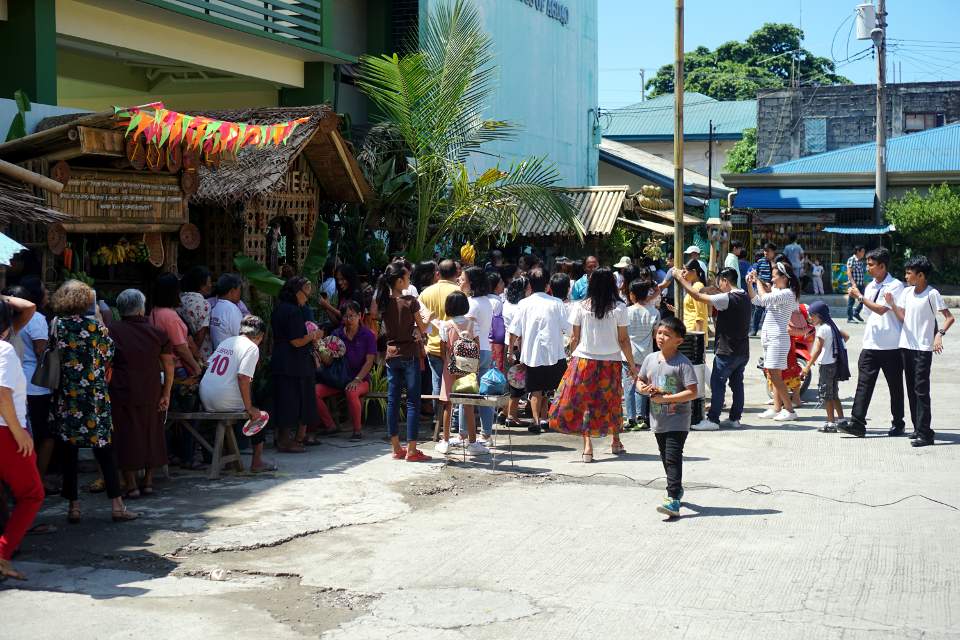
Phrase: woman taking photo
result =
(81, 404)
(403, 328)
(361, 352)
(292, 368)
(18, 462)
(780, 301)
(589, 400)
(140, 401)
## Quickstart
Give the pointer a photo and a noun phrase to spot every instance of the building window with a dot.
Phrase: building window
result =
(814, 135)
(913, 122)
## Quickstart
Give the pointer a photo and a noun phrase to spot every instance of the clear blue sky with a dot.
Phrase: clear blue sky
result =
(637, 34)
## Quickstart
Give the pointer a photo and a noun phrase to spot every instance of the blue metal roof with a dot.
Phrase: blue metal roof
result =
(653, 119)
(931, 150)
(757, 198)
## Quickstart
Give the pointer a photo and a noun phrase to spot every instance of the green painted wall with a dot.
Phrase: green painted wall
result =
(28, 48)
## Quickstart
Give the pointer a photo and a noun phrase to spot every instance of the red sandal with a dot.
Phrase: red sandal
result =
(418, 456)
(400, 455)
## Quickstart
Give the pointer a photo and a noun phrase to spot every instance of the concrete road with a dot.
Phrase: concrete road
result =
(786, 533)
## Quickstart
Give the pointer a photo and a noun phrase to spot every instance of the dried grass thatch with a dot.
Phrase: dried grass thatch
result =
(19, 204)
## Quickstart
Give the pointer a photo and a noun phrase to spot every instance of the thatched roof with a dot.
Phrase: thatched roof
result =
(258, 171)
(19, 204)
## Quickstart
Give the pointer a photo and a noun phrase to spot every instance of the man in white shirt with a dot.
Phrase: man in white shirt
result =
(732, 261)
(540, 320)
(225, 317)
(227, 383)
(917, 307)
(881, 347)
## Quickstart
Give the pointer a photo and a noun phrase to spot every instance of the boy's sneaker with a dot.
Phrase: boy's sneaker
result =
(828, 427)
(442, 447)
(456, 442)
(785, 416)
(486, 439)
(705, 425)
(629, 425)
(477, 449)
(643, 425)
(769, 413)
(730, 424)
(670, 507)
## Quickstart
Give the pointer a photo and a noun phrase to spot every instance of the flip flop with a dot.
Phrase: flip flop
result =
(268, 467)
(42, 529)
(292, 449)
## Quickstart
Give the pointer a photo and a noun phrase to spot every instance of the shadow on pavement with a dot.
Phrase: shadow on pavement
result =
(703, 512)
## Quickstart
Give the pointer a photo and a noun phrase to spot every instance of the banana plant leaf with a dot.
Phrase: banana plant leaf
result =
(257, 275)
(317, 252)
(18, 128)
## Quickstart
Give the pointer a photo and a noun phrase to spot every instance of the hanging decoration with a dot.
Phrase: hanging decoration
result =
(160, 126)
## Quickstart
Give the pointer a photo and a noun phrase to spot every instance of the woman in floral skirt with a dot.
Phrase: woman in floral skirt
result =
(589, 399)
(80, 407)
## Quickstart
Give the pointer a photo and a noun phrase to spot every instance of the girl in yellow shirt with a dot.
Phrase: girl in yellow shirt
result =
(695, 314)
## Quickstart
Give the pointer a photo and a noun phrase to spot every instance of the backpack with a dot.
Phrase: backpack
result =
(464, 356)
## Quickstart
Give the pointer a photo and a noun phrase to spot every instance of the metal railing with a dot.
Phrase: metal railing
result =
(299, 21)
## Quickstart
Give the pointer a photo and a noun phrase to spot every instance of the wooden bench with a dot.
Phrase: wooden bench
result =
(224, 433)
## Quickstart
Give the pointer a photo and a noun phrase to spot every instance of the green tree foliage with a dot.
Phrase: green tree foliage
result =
(927, 221)
(743, 155)
(435, 98)
(737, 70)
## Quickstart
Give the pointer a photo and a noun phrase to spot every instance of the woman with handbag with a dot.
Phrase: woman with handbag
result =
(353, 371)
(474, 283)
(403, 328)
(80, 406)
(18, 462)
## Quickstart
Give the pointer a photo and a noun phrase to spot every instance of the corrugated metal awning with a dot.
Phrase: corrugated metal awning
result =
(860, 231)
(767, 198)
(597, 208)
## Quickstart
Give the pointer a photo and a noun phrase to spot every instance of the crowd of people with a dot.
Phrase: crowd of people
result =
(592, 351)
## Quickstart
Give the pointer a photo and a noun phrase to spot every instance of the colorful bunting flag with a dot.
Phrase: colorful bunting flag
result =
(161, 126)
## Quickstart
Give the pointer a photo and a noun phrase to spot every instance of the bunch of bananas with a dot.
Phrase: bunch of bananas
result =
(120, 253)
(468, 254)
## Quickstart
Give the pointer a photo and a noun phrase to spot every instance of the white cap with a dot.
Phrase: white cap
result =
(693, 249)
(625, 262)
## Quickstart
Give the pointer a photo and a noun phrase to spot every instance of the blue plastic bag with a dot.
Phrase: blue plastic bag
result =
(493, 383)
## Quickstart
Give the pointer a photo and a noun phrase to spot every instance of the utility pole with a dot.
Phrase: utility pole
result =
(643, 85)
(678, 159)
(879, 37)
(710, 162)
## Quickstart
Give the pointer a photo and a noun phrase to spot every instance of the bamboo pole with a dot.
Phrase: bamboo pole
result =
(678, 160)
(25, 175)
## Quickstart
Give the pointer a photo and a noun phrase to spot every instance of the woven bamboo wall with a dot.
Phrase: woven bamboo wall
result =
(222, 237)
(298, 200)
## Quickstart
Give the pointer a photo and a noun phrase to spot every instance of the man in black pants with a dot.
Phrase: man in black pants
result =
(881, 347)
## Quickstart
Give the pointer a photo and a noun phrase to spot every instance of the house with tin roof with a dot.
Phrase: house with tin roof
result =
(648, 126)
(827, 199)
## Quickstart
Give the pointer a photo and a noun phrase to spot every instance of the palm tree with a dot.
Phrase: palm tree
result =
(435, 97)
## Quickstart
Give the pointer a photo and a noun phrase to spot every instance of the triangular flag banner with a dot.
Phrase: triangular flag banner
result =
(161, 126)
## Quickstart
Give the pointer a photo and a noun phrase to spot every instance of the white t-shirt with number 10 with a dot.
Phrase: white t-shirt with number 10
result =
(219, 388)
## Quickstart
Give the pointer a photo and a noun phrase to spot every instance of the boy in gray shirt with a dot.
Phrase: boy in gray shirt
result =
(670, 380)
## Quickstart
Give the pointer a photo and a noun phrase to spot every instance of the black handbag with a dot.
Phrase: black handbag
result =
(334, 375)
(47, 374)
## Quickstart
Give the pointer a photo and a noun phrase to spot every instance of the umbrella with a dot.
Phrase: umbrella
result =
(8, 248)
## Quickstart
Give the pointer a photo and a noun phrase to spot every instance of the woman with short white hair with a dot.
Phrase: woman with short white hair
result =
(140, 400)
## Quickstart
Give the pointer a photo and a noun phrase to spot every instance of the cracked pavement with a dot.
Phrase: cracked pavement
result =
(786, 533)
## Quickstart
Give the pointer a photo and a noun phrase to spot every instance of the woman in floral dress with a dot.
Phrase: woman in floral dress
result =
(80, 408)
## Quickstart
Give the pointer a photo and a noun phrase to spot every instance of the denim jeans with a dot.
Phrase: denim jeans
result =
(635, 404)
(403, 372)
(851, 312)
(486, 413)
(436, 364)
(758, 313)
(727, 369)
